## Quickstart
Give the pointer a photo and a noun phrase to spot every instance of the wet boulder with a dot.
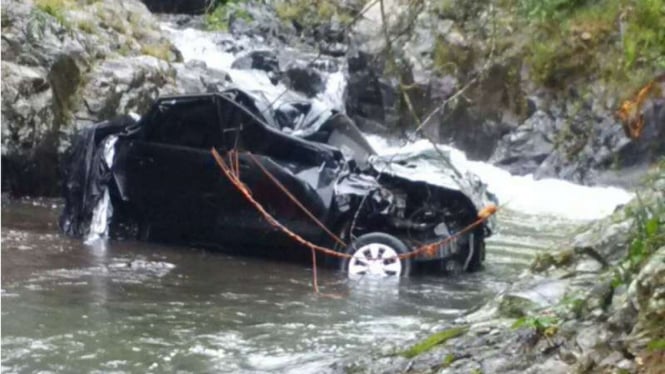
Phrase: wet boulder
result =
(260, 60)
(305, 79)
(123, 85)
(541, 294)
(525, 149)
(195, 77)
(55, 66)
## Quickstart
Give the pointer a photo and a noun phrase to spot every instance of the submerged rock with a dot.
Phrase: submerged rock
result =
(260, 60)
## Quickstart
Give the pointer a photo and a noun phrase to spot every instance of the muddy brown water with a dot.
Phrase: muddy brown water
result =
(128, 306)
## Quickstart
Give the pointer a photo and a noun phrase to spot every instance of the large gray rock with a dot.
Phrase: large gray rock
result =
(196, 77)
(90, 63)
(124, 85)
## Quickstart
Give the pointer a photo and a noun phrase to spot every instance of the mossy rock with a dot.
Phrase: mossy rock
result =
(452, 59)
(513, 306)
(433, 340)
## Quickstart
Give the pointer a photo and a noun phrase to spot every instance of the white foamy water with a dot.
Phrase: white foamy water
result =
(101, 215)
(208, 47)
(522, 193)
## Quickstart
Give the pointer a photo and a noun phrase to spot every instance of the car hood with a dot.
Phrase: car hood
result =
(422, 162)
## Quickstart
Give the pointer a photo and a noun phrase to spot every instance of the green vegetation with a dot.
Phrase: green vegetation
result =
(433, 340)
(161, 50)
(86, 26)
(656, 345)
(55, 8)
(452, 59)
(222, 12)
(542, 10)
(308, 13)
(448, 360)
(620, 41)
(647, 232)
(537, 322)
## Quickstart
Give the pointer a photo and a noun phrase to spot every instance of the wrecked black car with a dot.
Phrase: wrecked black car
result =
(154, 178)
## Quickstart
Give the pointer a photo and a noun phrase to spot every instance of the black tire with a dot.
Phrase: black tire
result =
(379, 238)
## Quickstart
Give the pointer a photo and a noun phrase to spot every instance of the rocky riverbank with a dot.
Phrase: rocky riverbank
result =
(595, 306)
(67, 64)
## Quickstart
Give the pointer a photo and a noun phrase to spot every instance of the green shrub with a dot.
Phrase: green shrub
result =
(619, 41)
(161, 50)
(218, 19)
(55, 8)
(313, 12)
(644, 36)
(86, 26)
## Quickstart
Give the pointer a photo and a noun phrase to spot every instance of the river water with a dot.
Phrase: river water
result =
(126, 306)
(131, 306)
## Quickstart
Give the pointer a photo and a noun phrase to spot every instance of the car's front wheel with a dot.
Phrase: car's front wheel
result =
(376, 254)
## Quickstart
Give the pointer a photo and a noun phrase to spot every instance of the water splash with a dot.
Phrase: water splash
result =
(522, 193)
(101, 215)
(213, 49)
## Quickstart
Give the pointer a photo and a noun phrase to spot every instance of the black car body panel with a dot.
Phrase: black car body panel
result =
(164, 184)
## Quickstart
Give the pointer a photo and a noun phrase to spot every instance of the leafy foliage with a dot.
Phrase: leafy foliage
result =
(542, 10)
(223, 11)
(620, 41)
(647, 232)
(54, 8)
(539, 323)
(311, 13)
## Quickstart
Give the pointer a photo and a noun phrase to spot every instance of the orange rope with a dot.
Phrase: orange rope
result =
(248, 195)
(294, 200)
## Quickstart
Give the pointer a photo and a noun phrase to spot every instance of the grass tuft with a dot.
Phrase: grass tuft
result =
(161, 50)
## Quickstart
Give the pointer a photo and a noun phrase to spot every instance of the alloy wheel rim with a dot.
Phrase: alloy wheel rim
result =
(376, 260)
